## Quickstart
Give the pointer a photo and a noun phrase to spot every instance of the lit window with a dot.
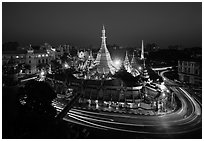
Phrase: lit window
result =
(39, 55)
(17, 56)
(43, 55)
(47, 55)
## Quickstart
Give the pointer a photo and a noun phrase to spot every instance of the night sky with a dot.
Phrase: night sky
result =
(80, 24)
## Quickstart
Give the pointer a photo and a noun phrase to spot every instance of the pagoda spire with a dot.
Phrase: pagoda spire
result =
(142, 54)
(133, 58)
(30, 49)
(127, 63)
(103, 60)
(145, 74)
(142, 51)
(103, 37)
(90, 58)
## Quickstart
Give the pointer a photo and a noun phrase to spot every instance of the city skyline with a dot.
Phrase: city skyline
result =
(126, 24)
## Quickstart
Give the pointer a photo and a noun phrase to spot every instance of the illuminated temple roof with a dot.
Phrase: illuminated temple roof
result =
(103, 60)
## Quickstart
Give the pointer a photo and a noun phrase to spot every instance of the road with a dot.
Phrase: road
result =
(186, 119)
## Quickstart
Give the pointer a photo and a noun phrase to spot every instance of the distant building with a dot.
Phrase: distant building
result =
(19, 56)
(60, 50)
(190, 72)
(126, 63)
(35, 57)
(30, 56)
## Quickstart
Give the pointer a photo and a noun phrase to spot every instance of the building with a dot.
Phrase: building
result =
(136, 65)
(19, 56)
(107, 90)
(61, 50)
(36, 57)
(30, 56)
(190, 72)
(126, 63)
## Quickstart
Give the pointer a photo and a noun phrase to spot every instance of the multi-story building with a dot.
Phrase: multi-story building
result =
(36, 57)
(60, 50)
(30, 56)
(19, 56)
(190, 72)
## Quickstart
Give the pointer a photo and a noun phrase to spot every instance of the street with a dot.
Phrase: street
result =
(186, 119)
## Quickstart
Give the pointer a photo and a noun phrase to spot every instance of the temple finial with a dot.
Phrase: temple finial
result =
(103, 27)
(142, 51)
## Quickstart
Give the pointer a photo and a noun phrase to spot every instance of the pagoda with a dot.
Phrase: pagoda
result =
(89, 62)
(103, 62)
(134, 66)
(145, 74)
(126, 63)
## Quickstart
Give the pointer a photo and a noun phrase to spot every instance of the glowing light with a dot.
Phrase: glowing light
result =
(42, 73)
(140, 68)
(43, 55)
(163, 87)
(53, 49)
(39, 55)
(17, 57)
(66, 65)
(117, 63)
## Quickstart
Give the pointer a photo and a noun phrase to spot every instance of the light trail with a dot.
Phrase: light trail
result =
(91, 116)
(104, 114)
(183, 120)
(80, 123)
(111, 122)
(196, 105)
(112, 128)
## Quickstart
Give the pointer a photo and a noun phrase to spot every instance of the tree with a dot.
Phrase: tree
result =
(12, 67)
(39, 98)
(66, 58)
(127, 78)
(22, 67)
(27, 67)
(10, 71)
(44, 66)
(55, 66)
(36, 118)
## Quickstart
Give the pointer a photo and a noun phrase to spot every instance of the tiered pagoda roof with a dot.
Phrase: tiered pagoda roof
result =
(103, 62)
